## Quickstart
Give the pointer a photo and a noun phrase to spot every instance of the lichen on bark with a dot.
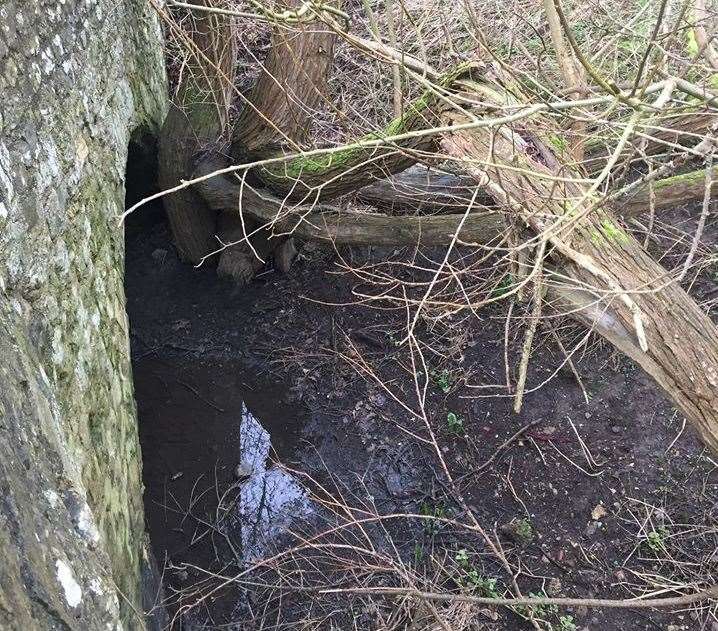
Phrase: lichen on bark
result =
(77, 78)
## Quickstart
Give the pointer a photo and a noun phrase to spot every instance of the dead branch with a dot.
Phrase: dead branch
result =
(648, 603)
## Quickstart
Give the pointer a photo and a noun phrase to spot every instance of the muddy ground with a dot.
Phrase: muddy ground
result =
(610, 498)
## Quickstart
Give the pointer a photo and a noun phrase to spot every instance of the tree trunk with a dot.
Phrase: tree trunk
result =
(291, 88)
(637, 304)
(196, 119)
(279, 111)
(73, 550)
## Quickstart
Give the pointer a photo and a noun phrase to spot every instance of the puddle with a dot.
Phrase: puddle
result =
(270, 499)
(208, 461)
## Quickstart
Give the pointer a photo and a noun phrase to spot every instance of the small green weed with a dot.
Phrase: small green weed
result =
(442, 379)
(566, 623)
(455, 423)
(503, 287)
(543, 612)
(656, 539)
(432, 525)
(524, 530)
(473, 578)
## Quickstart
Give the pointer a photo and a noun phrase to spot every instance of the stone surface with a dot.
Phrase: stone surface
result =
(77, 77)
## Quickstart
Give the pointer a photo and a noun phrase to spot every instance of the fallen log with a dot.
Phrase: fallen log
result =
(669, 192)
(225, 194)
(422, 189)
(482, 226)
(626, 295)
(665, 133)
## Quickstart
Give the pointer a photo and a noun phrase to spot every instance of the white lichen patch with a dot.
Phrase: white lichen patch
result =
(72, 589)
(85, 522)
(53, 499)
(97, 587)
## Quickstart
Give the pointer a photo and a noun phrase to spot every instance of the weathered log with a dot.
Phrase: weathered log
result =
(674, 128)
(669, 192)
(661, 327)
(347, 228)
(422, 189)
(482, 226)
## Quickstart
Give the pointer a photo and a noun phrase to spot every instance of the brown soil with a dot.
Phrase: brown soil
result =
(642, 518)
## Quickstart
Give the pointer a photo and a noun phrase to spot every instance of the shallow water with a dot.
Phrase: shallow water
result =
(211, 434)
(270, 500)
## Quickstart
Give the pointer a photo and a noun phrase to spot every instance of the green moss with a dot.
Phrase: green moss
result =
(691, 43)
(315, 165)
(687, 178)
(608, 232)
(613, 232)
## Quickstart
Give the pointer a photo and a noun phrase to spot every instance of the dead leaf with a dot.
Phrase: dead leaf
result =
(598, 512)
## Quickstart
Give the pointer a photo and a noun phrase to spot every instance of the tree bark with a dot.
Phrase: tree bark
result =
(660, 326)
(427, 190)
(290, 89)
(196, 119)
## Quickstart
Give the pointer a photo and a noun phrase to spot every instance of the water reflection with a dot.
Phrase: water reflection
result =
(203, 444)
(270, 498)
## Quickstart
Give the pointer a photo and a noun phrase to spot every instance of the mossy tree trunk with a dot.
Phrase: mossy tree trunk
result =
(78, 80)
(197, 119)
